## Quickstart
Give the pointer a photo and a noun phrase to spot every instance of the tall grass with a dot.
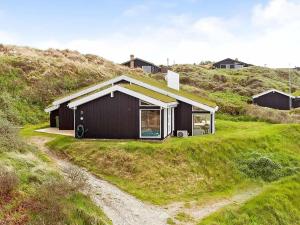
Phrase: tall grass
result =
(277, 205)
(186, 169)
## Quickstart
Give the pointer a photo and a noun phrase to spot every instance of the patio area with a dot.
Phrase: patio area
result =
(53, 130)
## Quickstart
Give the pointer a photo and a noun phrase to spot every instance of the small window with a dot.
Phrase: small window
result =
(143, 103)
(201, 123)
(197, 108)
(223, 66)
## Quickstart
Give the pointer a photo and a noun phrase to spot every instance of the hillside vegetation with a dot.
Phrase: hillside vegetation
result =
(241, 153)
(248, 151)
(33, 192)
(30, 79)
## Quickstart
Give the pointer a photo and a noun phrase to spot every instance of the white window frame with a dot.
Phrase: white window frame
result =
(211, 121)
(149, 104)
(197, 109)
(140, 125)
(165, 123)
(173, 118)
(169, 124)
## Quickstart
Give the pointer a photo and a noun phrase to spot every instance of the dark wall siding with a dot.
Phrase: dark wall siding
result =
(66, 117)
(296, 103)
(113, 118)
(139, 64)
(273, 100)
(53, 115)
(229, 61)
(183, 117)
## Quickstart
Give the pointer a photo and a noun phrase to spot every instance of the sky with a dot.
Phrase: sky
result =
(261, 32)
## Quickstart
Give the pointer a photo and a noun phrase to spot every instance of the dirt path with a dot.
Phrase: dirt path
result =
(124, 209)
(200, 212)
(120, 207)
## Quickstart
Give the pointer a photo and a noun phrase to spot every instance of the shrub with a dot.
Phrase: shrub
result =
(77, 179)
(258, 166)
(9, 139)
(270, 115)
(49, 206)
(8, 181)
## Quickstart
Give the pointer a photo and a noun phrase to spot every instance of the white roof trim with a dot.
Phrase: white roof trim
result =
(272, 90)
(123, 90)
(137, 82)
(51, 108)
(86, 91)
(170, 94)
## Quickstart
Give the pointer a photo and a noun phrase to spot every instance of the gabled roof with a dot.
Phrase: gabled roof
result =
(51, 108)
(150, 63)
(149, 93)
(272, 90)
(233, 60)
(147, 83)
(132, 90)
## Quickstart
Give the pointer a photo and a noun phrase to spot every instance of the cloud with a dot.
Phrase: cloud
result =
(277, 13)
(269, 36)
(136, 10)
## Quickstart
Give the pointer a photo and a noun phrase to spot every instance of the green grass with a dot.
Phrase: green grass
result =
(278, 204)
(149, 93)
(296, 93)
(34, 168)
(192, 168)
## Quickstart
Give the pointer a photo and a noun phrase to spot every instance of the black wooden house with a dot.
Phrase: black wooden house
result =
(276, 99)
(133, 107)
(230, 64)
(147, 67)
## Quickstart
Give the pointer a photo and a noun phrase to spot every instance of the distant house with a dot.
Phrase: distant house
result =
(276, 99)
(230, 64)
(297, 68)
(296, 102)
(134, 107)
(147, 67)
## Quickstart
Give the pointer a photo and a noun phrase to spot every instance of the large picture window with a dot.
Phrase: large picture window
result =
(150, 123)
(201, 123)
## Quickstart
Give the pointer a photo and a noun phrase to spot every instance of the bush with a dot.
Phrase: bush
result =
(77, 179)
(9, 138)
(49, 206)
(270, 115)
(8, 181)
(50, 202)
(258, 166)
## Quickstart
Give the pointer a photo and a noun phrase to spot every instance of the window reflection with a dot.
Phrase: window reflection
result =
(201, 123)
(150, 123)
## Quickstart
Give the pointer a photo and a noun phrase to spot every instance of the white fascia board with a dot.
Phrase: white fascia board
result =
(52, 108)
(272, 90)
(137, 82)
(123, 90)
(170, 94)
(87, 90)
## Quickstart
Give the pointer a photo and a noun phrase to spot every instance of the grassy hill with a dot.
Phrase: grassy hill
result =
(30, 79)
(247, 151)
(32, 191)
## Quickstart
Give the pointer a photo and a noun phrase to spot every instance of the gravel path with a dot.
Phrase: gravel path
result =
(200, 212)
(120, 207)
(124, 209)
